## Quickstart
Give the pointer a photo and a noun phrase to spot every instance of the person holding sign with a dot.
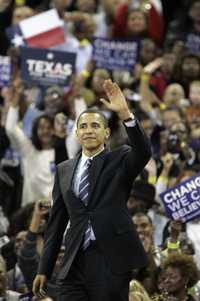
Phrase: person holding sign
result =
(91, 191)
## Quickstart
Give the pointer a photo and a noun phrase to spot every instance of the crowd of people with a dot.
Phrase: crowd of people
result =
(37, 132)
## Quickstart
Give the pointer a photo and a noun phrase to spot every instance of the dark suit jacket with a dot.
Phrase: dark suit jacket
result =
(112, 175)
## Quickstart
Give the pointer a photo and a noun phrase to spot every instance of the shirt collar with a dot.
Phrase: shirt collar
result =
(84, 158)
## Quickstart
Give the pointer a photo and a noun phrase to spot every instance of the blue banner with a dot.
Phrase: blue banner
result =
(182, 202)
(15, 36)
(47, 67)
(115, 54)
(192, 42)
(5, 70)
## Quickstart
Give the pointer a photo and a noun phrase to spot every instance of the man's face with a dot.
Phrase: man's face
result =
(143, 227)
(19, 241)
(190, 67)
(91, 132)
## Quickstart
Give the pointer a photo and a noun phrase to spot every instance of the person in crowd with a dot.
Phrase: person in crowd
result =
(151, 12)
(187, 23)
(93, 229)
(142, 197)
(29, 254)
(87, 6)
(16, 280)
(38, 154)
(148, 52)
(21, 13)
(6, 294)
(187, 69)
(136, 25)
(178, 274)
(175, 96)
(145, 230)
(78, 37)
(137, 292)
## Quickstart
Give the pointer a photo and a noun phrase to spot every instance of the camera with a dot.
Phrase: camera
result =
(173, 143)
(4, 240)
(45, 204)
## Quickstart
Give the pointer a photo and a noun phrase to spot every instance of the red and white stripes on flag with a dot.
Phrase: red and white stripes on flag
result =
(43, 30)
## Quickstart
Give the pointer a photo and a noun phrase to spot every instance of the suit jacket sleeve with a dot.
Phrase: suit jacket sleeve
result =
(140, 152)
(54, 233)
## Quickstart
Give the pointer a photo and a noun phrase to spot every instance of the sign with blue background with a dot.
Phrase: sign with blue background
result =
(115, 54)
(192, 42)
(5, 70)
(182, 202)
(47, 67)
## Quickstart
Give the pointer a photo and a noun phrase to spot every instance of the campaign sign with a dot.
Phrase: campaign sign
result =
(192, 42)
(115, 54)
(47, 67)
(182, 202)
(5, 70)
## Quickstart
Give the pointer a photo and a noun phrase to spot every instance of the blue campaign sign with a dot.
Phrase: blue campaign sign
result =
(115, 54)
(5, 70)
(182, 202)
(192, 42)
(47, 67)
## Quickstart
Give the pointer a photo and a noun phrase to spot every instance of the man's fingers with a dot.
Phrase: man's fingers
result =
(105, 102)
(108, 87)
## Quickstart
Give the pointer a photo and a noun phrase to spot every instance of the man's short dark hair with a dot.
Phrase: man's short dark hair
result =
(141, 214)
(94, 111)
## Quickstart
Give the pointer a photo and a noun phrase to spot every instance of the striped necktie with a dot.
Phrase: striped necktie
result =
(84, 183)
(83, 195)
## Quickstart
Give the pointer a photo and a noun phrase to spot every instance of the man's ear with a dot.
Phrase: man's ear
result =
(107, 133)
(77, 134)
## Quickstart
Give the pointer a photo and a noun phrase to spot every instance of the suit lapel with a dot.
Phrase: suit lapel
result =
(68, 174)
(96, 168)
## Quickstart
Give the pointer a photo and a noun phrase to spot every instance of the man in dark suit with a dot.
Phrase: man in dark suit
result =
(90, 192)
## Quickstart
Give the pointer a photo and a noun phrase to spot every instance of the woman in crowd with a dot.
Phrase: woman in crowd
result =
(178, 275)
(37, 154)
